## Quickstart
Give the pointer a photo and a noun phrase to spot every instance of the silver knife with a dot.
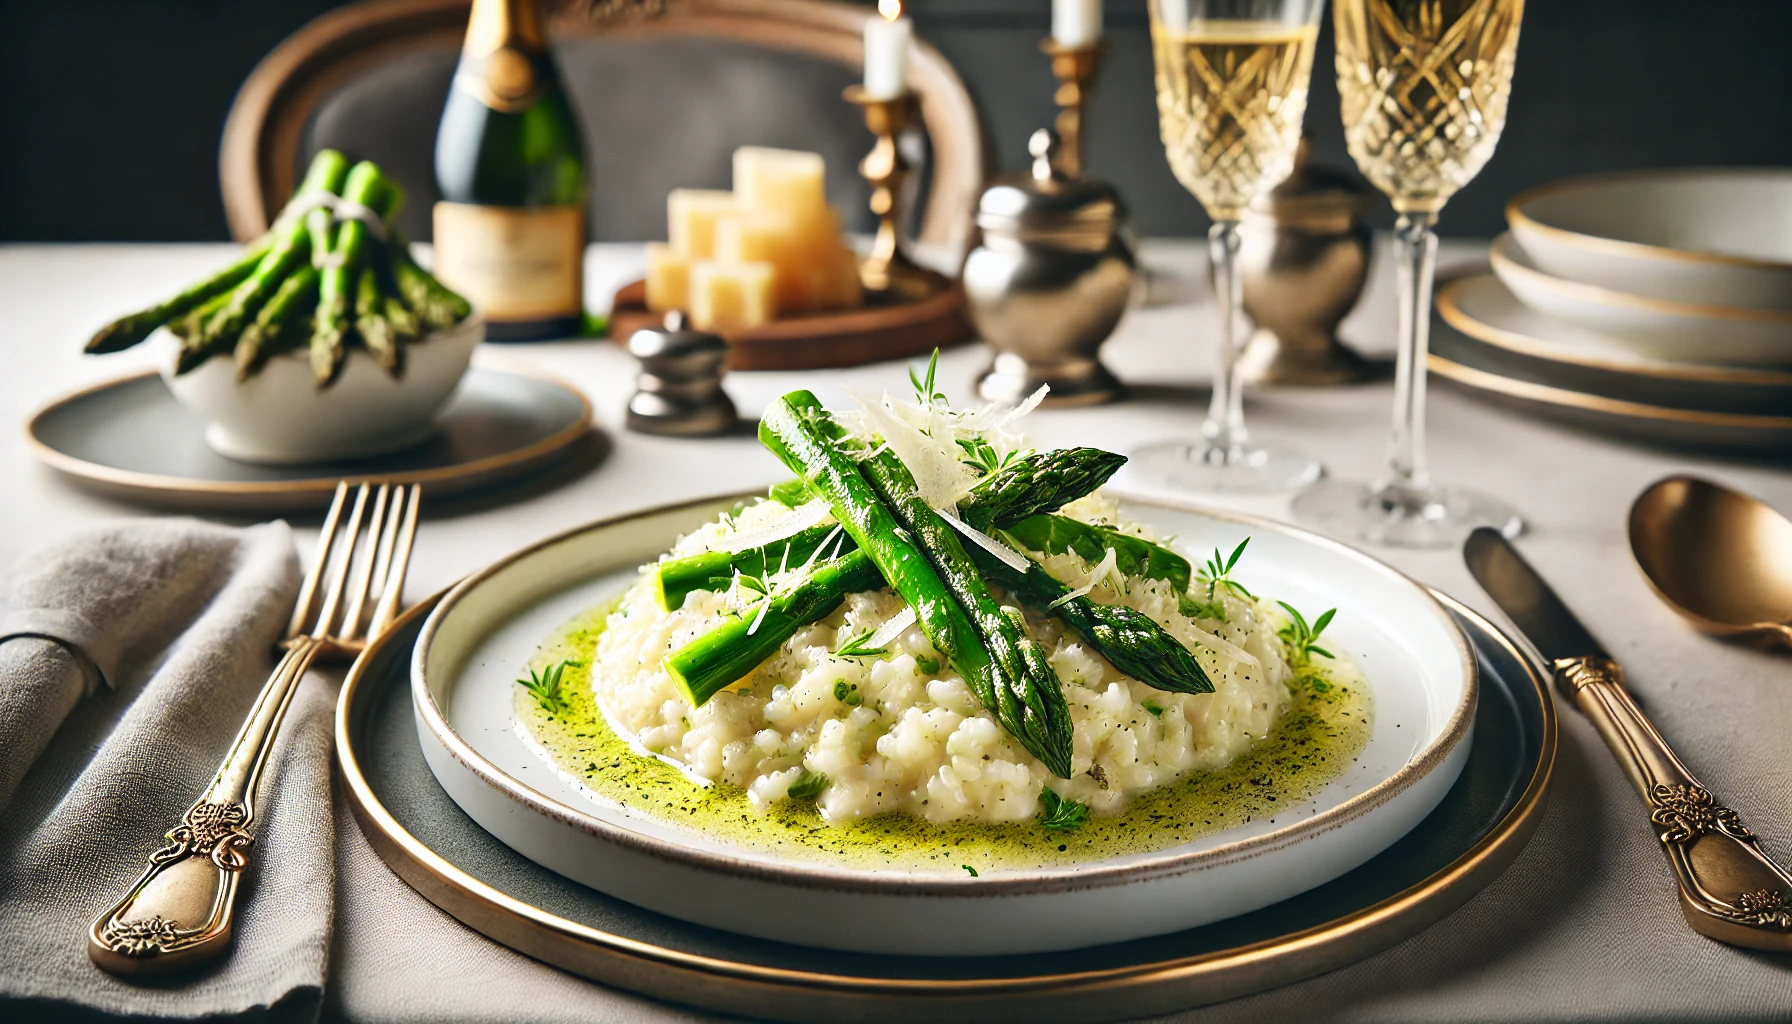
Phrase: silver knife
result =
(1729, 889)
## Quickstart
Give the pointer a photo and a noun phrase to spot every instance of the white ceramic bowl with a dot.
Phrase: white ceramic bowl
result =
(280, 415)
(1676, 331)
(1722, 237)
(469, 653)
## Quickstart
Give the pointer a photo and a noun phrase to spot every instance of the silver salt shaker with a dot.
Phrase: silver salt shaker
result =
(679, 391)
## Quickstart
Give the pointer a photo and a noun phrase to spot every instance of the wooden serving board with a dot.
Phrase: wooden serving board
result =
(849, 337)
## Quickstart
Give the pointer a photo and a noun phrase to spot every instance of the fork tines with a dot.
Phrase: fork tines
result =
(361, 573)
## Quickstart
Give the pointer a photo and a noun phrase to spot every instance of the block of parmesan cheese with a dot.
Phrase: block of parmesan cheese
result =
(691, 215)
(842, 289)
(668, 278)
(780, 179)
(731, 295)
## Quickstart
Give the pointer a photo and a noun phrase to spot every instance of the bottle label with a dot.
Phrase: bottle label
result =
(513, 263)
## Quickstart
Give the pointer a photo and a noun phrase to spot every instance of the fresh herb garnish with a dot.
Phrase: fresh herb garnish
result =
(847, 695)
(756, 584)
(927, 665)
(808, 785)
(972, 870)
(1061, 815)
(1301, 638)
(983, 456)
(924, 390)
(1216, 572)
(1152, 708)
(855, 648)
(544, 686)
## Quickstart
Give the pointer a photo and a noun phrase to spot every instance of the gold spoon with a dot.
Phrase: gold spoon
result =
(1718, 557)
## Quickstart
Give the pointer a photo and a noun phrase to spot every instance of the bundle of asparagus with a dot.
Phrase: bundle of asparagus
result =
(887, 534)
(331, 273)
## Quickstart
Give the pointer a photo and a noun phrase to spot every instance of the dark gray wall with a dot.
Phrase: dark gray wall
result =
(110, 110)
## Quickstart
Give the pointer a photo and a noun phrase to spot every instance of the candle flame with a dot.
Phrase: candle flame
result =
(890, 9)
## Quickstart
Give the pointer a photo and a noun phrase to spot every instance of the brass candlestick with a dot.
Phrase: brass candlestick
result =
(889, 273)
(1075, 68)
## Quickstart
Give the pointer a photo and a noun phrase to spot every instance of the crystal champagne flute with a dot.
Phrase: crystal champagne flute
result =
(1232, 79)
(1424, 85)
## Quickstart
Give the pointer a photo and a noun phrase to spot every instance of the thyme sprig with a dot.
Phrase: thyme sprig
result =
(1303, 639)
(1060, 814)
(925, 392)
(544, 686)
(1216, 572)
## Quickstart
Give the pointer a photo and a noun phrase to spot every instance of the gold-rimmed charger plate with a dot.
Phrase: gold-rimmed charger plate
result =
(129, 439)
(1468, 841)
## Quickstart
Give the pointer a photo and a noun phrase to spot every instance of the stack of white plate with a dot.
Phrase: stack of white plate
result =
(1659, 303)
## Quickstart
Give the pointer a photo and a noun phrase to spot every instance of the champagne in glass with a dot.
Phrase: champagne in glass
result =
(1232, 80)
(1424, 85)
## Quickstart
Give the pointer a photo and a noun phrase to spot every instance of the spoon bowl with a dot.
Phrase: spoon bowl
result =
(1719, 557)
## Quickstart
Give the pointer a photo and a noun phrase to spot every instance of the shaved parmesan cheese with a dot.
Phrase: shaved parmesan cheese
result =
(1103, 569)
(810, 513)
(892, 629)
(1003, 553)
(1023, 408)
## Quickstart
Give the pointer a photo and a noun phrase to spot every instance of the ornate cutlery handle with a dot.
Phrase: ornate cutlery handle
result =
(179, 912)
(1729, 890)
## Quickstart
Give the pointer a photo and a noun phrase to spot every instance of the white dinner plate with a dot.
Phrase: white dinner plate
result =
(1722, 237)
(474, 645)
(1658, 328)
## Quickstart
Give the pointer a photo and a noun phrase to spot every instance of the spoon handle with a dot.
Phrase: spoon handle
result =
(1729, 889)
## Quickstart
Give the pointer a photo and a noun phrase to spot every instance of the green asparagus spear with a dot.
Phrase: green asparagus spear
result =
(794, 428)
(371, 324)
(1131, 640)
(719, 658)
(189, 329)
(291, 246)
(1036, 483)
(1023, 693)
(368, 187)
(1056, 535)
(715, 570)
(435, 305)
(296, 295)
(126, 331)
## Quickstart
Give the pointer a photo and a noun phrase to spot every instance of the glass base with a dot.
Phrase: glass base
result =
(1198, 467)
(1403, 517)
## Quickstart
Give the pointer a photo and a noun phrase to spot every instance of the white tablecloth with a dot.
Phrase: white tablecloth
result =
(1583, 926)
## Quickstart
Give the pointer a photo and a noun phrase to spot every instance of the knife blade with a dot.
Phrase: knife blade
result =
(1526, 599)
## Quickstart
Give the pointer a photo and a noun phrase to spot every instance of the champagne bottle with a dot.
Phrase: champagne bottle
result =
(510, 229)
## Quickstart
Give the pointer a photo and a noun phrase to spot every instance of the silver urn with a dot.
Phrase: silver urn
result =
(1050, 280)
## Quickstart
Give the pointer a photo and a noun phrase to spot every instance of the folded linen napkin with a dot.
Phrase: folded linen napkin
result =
(129, 655)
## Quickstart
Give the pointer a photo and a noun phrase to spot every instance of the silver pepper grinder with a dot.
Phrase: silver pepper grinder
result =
(679, 391)
(1303, 261)
(1050, 282)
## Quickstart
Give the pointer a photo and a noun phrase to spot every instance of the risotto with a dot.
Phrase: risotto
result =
(902, 732)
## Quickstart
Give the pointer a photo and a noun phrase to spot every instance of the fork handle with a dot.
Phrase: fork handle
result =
(1729, 889)
(181, 909)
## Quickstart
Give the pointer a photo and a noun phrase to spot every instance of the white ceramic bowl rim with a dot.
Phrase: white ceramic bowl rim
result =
(1516, 213)
(1509, 257)
(1063, 879)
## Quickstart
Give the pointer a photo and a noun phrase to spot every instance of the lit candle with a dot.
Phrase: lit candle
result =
(1076, 23)
(886, 52)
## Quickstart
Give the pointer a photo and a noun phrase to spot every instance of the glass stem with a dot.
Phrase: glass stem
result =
(1415, 265)
(1224, 429)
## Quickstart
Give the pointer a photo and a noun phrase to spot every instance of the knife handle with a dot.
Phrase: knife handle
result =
(1729, 889)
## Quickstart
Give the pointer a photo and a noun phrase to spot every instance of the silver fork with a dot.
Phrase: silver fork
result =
(181, 909)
